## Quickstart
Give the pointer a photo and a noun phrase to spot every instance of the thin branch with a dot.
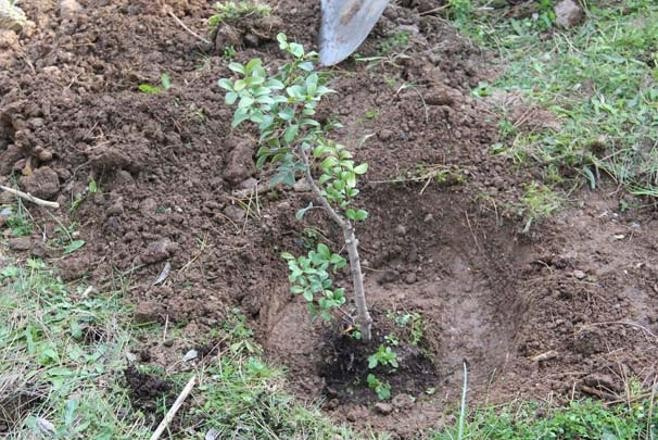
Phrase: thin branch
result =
(190, 31)
(30, 197)
(174, 409)
(318, 193)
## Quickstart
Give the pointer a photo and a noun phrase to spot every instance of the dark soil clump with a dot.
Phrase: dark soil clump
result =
(148, 393)
(344, 364)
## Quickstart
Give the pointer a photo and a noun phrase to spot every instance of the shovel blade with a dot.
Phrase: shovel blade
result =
(345, 25)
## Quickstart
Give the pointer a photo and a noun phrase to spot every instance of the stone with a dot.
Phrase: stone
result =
(8, 40)
(20, 244)
(568, 13)
(403, 401)
(239, 164)
(159, 251)
(69, 9)
(410, 278)
(234, 213)
(148, 311)
(43, 183)
(383, 408)
(579, 274)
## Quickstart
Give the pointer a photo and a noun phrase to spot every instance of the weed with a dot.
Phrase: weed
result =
(384, 356)
(460, 10)
(381, 388)
(18, 222)
(150, 89)
(395, 42)
(234, 11)
(538, 202)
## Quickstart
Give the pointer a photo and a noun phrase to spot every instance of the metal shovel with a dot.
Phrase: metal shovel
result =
(345, 25)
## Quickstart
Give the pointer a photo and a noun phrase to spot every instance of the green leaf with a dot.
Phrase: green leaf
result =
(165, 81)
(290, 133)
(295, 91)
(307, 66)
(296, 49)
(254, 63)
(324, 251)
(287, 114)
(236, 67)
(149, 89)
(361, 169)
(283, 40)
(308, 295)
(225, 84)
(239, 85)
(245, 101)
(239, 117)
(372, 361)
(287, 256)
(328, 163)
(312, 84)
(274, 84)
(361, 215)
(73, 246)
(230, 98)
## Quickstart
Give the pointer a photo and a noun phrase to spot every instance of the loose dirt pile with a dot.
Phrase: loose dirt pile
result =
(570, 310)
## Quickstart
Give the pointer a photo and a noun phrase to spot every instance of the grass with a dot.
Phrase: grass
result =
(600, 79)
(586, 420)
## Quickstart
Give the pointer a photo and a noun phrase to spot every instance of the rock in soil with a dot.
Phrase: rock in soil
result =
(159, 251)
(20, 244)
(568, 13)
(68, 9)
(383, 408)
(148, 311)
(43, 183)
(240, 164)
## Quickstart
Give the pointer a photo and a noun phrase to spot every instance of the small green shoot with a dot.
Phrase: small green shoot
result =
(150, 89)
(381, 388)
(384, 356)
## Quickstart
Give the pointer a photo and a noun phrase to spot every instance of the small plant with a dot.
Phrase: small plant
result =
(384, 356)
(381, 388)
(150, 89)
(282, 106)
(233, 11)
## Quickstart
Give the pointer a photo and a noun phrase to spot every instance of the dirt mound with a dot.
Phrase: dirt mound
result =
(157, 179)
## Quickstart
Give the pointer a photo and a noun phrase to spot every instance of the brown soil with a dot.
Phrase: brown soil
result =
(567, 311)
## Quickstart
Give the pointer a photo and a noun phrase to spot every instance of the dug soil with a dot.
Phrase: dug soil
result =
(158, 184)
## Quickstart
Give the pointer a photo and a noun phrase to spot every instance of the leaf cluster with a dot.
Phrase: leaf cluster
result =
(310, 277)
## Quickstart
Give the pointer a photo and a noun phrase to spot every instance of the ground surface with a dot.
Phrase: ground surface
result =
(565, 310)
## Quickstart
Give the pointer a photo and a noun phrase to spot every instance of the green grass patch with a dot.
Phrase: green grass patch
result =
(63, 351)
(600, 79)
(585, 420)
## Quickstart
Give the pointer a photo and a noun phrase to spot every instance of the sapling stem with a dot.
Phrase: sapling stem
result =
(351, 243)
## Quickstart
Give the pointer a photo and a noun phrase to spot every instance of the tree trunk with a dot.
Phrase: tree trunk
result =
(364, 319)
